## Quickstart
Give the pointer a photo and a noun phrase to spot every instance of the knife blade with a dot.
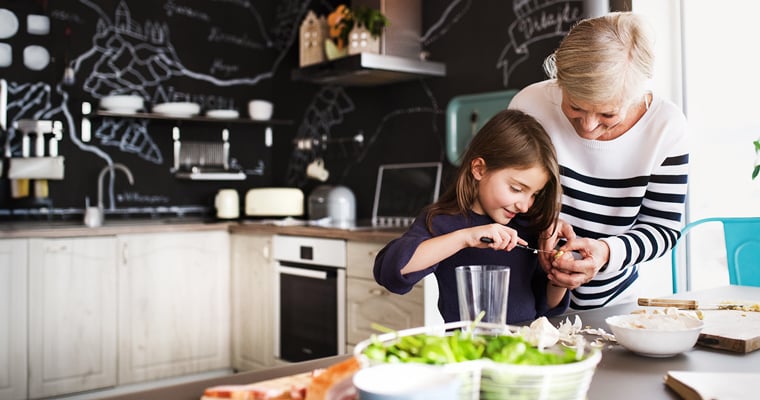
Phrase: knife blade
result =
(485, 239)
(694, 305)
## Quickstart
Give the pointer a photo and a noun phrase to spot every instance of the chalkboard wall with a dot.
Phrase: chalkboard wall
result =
(223, 53)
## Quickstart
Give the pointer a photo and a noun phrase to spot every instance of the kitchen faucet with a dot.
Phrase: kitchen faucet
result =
(105, 169)
(93, 216)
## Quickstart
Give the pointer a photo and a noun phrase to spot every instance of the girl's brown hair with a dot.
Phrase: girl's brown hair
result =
(510, 139)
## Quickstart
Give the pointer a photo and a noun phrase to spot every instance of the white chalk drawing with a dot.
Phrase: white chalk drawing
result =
(134, 58)
(451, 15)
(535, 20)
(326, 110)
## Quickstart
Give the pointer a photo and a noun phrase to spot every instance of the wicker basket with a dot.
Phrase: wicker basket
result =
(486, 379)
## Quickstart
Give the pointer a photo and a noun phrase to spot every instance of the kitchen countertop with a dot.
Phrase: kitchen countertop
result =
(72, 228)
(620, 374)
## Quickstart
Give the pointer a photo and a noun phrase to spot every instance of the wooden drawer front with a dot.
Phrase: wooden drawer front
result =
(367, 302)
(360, 258)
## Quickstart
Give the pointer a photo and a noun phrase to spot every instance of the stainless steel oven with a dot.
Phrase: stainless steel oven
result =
(310, 311)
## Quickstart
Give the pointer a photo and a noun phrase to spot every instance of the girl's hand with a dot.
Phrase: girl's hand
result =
(501, 237)
(549, 241)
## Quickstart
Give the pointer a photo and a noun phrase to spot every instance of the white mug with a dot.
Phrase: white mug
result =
(227, 204)
(260, 109)
(316, 170)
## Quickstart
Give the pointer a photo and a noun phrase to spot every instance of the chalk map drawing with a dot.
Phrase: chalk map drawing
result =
(127, 57)
(535, 20)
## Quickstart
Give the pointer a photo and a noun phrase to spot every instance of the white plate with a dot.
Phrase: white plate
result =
(8, 23)
(122, 103)
(228, 114)
(177, 109)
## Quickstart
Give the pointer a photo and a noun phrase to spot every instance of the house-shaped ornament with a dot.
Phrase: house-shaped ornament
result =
(312, 38)
(361, 41)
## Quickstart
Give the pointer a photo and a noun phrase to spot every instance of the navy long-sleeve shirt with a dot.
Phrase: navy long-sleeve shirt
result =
(527, 281)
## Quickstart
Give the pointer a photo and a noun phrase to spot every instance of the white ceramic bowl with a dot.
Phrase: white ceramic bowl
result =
(177, 109)
(405, 382)
(124, 103)
(260, 109)
(658, 335)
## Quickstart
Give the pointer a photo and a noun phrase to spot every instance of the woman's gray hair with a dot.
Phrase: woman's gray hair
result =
(607, 59)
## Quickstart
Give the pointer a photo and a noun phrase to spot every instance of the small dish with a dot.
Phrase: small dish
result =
(655, 335)
(177, 109)
(36, 57)
(122, 103)
(260, 110)
(8, 23)
(223, 114)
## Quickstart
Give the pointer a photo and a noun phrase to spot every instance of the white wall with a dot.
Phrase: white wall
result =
(721, 101)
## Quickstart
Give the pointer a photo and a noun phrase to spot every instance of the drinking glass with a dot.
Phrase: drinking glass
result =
(483, 288)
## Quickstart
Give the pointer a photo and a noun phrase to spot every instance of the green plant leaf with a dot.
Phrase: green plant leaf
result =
(757, 146)
(756, 172)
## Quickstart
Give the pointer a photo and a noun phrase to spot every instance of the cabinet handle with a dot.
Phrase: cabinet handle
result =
(377, 292)
(57, 248)
(124, 254)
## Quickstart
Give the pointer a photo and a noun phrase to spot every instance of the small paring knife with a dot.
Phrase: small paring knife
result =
(485, 239)
(694, 305)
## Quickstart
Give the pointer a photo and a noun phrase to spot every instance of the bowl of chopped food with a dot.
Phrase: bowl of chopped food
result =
(489, 361)
(658, 333)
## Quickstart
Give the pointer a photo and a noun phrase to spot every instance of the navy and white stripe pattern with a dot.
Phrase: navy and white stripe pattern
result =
(629, 192)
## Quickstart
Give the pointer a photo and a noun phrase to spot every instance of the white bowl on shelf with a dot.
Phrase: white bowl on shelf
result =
(260, 110)
(122, 103)
(657, 335)
(177, 109)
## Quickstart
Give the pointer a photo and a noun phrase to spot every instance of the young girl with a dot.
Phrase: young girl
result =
(507, 189)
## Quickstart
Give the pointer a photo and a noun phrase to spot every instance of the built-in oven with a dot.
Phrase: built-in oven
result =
(310, 308)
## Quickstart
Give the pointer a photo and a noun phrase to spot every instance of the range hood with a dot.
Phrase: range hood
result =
(399, 57)
(368, 69)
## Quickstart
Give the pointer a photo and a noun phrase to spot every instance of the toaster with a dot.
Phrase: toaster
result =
(274, 202)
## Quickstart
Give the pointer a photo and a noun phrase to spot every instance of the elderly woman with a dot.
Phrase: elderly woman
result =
(623, 156)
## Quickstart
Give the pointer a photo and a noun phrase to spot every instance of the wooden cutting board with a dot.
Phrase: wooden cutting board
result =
(737, 331)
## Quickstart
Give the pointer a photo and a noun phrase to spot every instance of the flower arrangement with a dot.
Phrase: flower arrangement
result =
(756, 171)
(342, 20)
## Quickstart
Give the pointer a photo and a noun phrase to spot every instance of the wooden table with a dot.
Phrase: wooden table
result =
(620, 375)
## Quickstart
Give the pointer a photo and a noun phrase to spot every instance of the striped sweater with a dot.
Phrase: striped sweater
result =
(629, 192)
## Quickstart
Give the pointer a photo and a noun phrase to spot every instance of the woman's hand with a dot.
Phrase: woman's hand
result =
(569, 272)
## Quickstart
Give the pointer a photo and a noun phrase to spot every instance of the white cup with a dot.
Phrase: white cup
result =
(227, 204)
(483, 288)
(260, 109)
(316, 170)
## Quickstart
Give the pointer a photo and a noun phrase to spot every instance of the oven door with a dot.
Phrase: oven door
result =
(311, 312)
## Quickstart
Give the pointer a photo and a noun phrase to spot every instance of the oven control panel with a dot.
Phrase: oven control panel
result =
(310, 250)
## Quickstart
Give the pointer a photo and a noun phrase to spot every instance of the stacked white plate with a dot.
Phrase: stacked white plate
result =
(177, 109)
(122, 103)
(223, 114)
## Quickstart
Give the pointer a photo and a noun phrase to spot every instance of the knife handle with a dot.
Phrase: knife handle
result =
(682, 304)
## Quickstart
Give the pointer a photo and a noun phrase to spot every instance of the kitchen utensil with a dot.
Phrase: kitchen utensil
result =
(122, 103)
(274, 202)
(177, 109)
(655, 335)
(260, 109)
(223, 114)
(317, 207)
(694, 304)
(483, 288)
(485, 239)
(341, 207)
(227, 204)
(428, 383)
(316, 170)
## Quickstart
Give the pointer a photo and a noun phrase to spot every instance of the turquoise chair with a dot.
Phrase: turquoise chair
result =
(742, 237)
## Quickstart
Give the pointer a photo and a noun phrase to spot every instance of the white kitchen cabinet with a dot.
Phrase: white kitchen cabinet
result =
(174, 304)
(253, 278)
(72, 315)
(368, 302)
(13, 319)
